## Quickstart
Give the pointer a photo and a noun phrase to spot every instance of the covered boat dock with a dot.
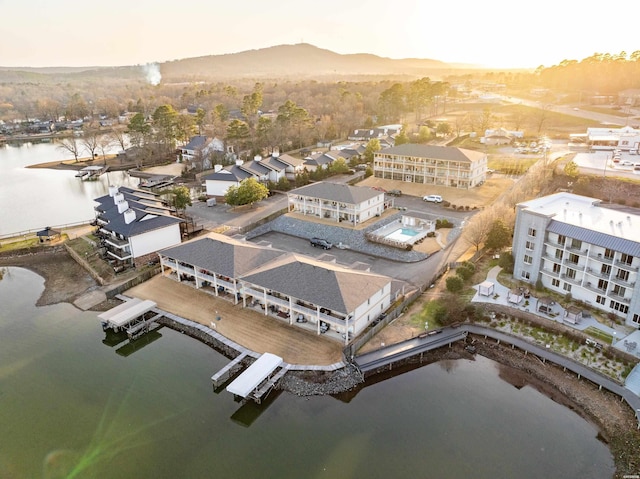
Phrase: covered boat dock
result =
(257, 380)
(133, 316)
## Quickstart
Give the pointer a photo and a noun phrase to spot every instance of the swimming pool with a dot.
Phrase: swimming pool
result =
(402, 234)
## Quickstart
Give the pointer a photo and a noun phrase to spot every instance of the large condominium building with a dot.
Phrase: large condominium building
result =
(575, 246)
(431, 165)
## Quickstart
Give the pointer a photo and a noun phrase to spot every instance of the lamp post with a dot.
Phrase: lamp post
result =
(613, 338)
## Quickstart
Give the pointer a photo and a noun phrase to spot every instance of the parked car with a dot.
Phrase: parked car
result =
(394, 193)
(321, 242)
(432, 198)
(627, 163)
(633, 152)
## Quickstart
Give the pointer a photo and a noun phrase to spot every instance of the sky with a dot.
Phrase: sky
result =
(491, 33)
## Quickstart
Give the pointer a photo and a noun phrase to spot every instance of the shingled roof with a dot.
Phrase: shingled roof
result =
(337, 192)
(317, 282)
(222, 255)
(433, 152)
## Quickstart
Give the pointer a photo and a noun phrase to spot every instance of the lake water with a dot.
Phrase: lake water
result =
(74, 404)
(35, 198)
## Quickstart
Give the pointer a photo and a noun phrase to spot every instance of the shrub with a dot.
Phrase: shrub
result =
(454, 284)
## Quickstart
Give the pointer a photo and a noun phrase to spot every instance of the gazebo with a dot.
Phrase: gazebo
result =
(545, 304)
(48, 234)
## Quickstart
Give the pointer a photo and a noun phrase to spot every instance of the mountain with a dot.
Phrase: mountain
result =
(301, 61)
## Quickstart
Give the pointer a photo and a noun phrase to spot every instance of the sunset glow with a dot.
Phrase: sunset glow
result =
(493, 33)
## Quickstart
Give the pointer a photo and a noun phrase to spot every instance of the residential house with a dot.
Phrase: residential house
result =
(319, 160)
(319, 296)
(431, 165)
(134, 224)
(219, 182)
(294, 166)
(501, 136)
(199, 149)
(573, 245)
(337, 202)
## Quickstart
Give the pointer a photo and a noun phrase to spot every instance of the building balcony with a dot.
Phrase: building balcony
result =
(122, 255)
(623, 282)
(626, 266)
(602, 258)
(117, 242)
(619, 297)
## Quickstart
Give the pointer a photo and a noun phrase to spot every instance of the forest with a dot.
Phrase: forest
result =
(287, 114)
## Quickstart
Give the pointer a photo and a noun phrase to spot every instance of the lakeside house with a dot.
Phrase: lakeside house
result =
(133, 225)
(306, 292)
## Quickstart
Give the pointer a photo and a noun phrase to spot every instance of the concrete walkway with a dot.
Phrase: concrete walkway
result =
(557, 312)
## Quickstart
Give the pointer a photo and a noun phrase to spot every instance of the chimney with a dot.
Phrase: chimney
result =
(122, 206)
(117, 198)
(129, 216)
(217, 168)
(113, 190)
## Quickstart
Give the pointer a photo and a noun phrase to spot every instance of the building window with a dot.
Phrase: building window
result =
(626, 258)
(608, 253)
(573, 258)
(555, 282)
(528, 259)
(566, 287)
(619, 290)
(561, 239)
(556, 268)
(529, 245)
(576, 243)
(571, 273)
(636, 318)
(606, 269)
(559, 254)
(622, 275)
(526, 275)
(601, 300)
(623, 308)
(603, 284)
(532, 232)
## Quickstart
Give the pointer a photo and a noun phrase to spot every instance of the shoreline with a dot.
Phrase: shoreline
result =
(613, 418)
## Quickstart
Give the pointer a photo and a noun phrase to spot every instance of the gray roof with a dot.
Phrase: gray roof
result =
(255, 168)
(433, 152)
(323, 284)
(290, 160)
(337, 192)
(228, 257)
(320, 159)
(143, 223)
(196, 142)
(595, 237)
(274, 163)
(230, 173)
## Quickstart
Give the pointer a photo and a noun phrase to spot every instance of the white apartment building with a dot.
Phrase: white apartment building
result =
(431, 165)
(575, 246)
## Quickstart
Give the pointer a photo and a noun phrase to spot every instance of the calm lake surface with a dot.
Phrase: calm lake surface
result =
(74, 404)
(34, 198)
